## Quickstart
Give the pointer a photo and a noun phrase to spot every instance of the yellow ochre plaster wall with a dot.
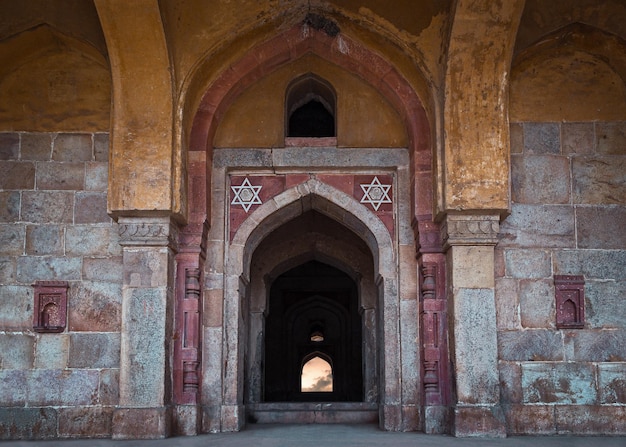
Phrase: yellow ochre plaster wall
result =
(363, 117)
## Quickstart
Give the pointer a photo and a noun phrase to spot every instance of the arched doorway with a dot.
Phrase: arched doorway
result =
(312, 295)
(313, 313)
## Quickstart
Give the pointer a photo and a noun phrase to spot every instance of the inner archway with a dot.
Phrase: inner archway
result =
(313, 311)
(312, 295)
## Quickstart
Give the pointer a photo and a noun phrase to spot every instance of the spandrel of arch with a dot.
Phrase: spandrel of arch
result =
(317, 376)
(310, 107)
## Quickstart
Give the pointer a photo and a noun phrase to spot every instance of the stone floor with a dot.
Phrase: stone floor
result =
(262, 435)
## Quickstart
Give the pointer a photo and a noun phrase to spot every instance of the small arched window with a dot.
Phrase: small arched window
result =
(317, 376)
(310, 108)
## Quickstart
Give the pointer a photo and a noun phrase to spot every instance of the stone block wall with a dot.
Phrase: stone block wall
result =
(568, 218)
(54, 226)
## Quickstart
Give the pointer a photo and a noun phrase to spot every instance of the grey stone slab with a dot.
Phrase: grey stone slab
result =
(540, 179)
(601, 226)
(47, 206)
(143, 366)
(536, 419)
(530, 345)
(145, 267)
(475, 331)
(103, 269)
(16, 351)
(47, 268)
(538, 226)
(55, 387)
(510, 382)
(10, 202)
(596, 345)
(531, 263)
(591, 420)
(85, 422)
(507, 303)
(559, 383)
(95, 306)
(8, 270)
(91, 207)
(605, 304)
(612, 383)
(45, 240)
(542, 138)
(17, 175)
(101, 146)
(599, 180)
(28, 423)
(12, 239)
(242, 158)
(592, 264)
(13, 387)
(611, 138)
(91, 240)
(94, 350)
(109, 390)
(96, 176)
(36, 146)
(537, 303)
(72, 147)
(51, 351)
(9, 145)
(577, 138)
(16, 307)
(60, 176)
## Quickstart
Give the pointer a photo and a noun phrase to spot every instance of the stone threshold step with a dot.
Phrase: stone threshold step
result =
(313, 413)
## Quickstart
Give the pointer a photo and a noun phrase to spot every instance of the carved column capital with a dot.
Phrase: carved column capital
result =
(470, 229)
(148, 232)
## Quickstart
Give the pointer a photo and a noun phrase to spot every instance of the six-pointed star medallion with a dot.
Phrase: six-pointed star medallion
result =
(375, 193)
(246, 195)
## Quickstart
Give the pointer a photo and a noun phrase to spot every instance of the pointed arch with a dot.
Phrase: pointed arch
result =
(312, 194)
(344, 52)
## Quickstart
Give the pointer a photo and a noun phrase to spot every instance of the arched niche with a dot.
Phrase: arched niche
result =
(69, 83)
(341, 51)
(576, 73)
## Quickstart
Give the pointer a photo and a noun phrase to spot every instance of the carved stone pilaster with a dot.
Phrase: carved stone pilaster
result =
(148, 232)
(470, 229)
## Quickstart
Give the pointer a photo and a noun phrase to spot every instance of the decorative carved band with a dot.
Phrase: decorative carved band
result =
(154, 232)
(458, 229)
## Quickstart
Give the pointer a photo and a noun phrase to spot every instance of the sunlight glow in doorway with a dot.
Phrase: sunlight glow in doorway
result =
(317, 376)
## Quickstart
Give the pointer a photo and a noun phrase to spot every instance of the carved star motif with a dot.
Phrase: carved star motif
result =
(375, 193)
(246, 195)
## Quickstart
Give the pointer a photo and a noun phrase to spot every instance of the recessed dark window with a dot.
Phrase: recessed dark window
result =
(310, 108)
(311, 120)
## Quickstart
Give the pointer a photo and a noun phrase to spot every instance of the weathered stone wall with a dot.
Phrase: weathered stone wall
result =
(54, 226)
(567, 217)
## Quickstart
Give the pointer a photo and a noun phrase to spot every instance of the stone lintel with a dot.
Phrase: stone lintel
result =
(159, 231)
(470, 229)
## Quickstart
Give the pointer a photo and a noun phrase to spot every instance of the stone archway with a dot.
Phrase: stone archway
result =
(337, 206)
(314, 238)
(409, 228)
